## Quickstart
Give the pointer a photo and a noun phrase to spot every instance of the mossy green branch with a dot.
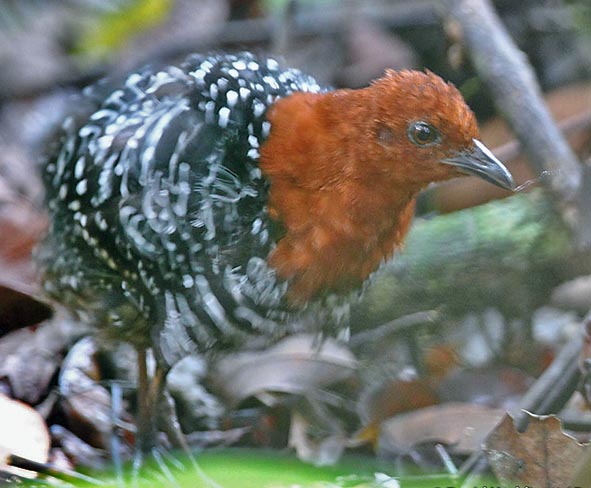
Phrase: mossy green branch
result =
(507, 254)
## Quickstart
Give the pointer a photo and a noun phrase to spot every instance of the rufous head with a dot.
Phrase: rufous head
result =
(424, 124)
(345, 167)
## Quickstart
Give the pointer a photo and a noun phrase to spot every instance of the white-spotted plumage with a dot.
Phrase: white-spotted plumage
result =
(159, 217)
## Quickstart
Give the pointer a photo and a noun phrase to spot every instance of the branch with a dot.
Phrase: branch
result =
(474, 259)
(511, 79)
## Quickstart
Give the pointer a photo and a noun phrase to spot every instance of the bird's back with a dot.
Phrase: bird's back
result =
(160, 228)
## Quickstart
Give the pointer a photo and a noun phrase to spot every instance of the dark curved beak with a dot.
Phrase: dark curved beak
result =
(481, 162)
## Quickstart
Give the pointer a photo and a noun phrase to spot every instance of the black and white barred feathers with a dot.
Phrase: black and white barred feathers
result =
(159, 226)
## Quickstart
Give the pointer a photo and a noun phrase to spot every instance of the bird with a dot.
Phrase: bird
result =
(228, 200)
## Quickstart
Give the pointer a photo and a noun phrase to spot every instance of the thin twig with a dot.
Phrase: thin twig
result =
(49, 470)
(573, 124)
(397, 326)
(511, 79)
(553, 388)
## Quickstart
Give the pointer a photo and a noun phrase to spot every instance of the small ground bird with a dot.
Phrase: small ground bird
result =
(230, 201)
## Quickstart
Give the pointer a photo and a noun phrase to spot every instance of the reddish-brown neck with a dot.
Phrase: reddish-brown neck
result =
(343, 214)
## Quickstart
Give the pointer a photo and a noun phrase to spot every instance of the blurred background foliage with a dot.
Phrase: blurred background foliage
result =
(345, 43)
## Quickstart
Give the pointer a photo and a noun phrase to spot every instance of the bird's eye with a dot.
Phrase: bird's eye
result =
(423, 134)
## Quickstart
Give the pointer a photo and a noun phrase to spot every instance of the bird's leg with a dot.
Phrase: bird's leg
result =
(154, 406)
(149, 393)
(170, 423)
(172, 427)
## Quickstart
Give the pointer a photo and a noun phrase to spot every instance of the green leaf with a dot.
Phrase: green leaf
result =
(114, 28)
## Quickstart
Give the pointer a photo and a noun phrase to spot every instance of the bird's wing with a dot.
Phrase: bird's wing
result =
(160, 186)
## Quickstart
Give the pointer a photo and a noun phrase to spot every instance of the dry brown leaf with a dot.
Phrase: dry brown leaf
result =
(295, 365)
(6, 193)
(325, 451)
(87, 404)
(389, 399)
(76, 450)
(21, 228)
(23, 433)
(19, 308)
(461, 426)
(29, 358)
(543, 455)
(441, 360)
